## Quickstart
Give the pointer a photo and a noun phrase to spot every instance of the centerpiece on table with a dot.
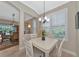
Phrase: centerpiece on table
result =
(43, 20)
(43, 35)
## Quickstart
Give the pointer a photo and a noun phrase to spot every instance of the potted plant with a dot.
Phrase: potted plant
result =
(43, 34)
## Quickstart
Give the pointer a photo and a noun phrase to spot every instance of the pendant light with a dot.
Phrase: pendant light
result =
(13, 15)
(44, 19)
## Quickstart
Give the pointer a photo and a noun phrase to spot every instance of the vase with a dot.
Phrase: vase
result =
(43, 35)
(43, 38)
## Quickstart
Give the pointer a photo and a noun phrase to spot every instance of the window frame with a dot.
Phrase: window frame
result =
(66, 21)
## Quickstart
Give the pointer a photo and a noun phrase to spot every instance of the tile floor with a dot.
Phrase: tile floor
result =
(15, 52)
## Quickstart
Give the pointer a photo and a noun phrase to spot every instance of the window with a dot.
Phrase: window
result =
(57, 24)
(7, 29)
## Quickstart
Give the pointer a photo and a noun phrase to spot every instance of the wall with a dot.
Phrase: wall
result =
(33, 24)
(77, 33)
(26, 24)
(5, 21)
(71, 43)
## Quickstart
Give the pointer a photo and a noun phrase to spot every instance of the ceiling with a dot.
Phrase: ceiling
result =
(6, 11)
(38, 6)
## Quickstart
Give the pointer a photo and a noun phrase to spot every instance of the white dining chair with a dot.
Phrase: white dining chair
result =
(50, 35)
(29, 49)
(33, 36)
(27, 37)
(59, 48)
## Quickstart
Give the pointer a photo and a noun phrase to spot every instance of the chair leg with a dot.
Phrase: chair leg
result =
(56, 50)
(43, 54)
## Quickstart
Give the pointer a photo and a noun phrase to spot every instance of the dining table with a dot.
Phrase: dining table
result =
(46, 45)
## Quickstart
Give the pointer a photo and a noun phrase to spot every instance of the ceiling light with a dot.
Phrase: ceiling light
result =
(48, 20)
(45, 18)
(40, 19)
(13, 15)
(29, 26)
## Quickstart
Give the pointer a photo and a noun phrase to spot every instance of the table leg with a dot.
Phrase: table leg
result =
(46, 54)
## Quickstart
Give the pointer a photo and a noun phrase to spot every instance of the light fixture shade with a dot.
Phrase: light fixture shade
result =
(13, 15)
(29, 26)
(40, 19)
(48, 20)
(45, 18)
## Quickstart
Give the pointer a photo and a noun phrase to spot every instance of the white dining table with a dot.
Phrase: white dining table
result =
(44, 45)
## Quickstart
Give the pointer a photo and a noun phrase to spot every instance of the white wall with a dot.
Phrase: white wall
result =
(71, 43)
(77, 33)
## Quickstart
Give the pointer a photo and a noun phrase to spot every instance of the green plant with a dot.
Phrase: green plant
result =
(43, 33)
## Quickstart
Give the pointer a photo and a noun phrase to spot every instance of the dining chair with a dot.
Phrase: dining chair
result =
(59, 48)
(29, 49)
(33, 36)
(27, 37)
(28, 45)
(50, 35)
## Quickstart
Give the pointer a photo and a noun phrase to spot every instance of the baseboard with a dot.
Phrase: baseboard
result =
(70, 52)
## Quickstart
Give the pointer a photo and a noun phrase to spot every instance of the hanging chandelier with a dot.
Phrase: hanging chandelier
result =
(13, 15)
(44, 18)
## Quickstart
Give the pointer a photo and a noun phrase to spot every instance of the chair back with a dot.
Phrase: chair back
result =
(29, 49)
(33, 36)
(60, 48)
(27, 37)
(50, 35)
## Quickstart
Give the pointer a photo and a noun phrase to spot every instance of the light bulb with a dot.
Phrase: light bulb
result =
(48, 20)
(39, 19)
(29, 26)
(45, 18)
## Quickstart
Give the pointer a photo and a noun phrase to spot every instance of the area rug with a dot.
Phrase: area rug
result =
(7, 44)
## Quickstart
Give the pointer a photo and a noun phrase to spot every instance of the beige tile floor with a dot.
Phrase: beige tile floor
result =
(15, 52)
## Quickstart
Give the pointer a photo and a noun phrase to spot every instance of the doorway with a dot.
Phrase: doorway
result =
(9, 36)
